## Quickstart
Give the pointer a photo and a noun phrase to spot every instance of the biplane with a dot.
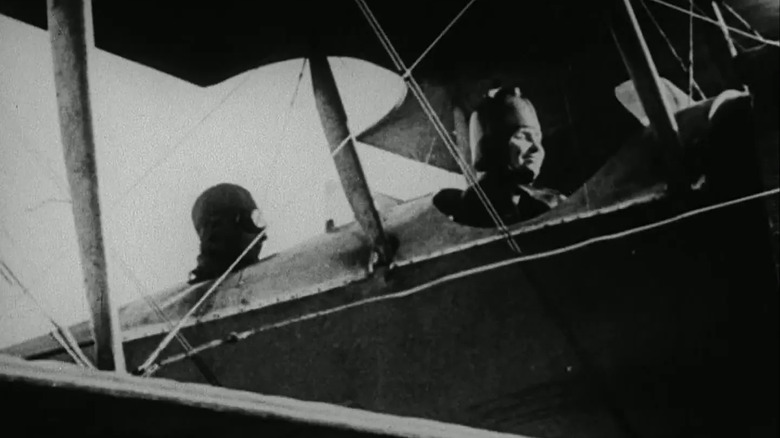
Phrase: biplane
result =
(643, 305)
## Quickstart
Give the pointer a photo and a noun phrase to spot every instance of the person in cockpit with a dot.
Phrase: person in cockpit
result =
(507, 152)
(227, 220)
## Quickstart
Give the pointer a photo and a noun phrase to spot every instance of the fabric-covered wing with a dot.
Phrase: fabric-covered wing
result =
(408, 121)
(561, 52)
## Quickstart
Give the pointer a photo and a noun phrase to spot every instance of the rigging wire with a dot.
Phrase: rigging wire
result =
(707, 19)
(443, 32)
(174, 331)
(51, 175)
(741, 19)
(144, 368)
(66, 340)
(274, 164)
(171, 150)
(74, 355)
(202, 367)
(233, 337)
(416, 90)
(60, 333)
(691, 81)
(176, 146)
(343, 143)
(37, 156)
(423, 170)
(725, 30)
(430, 112)
(141, 291)
(703, 12)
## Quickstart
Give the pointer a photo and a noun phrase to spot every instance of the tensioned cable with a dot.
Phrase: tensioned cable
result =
(202, 367)
(60, 333)
(703, 12)
(427, 108)
(176, 146)
(150, 170)
(283, 133)
(443, 32)
(758, 38)
(174, 331)
(182, 340)
(66, 339)
(741, 19)
(144, 368)
(78, 359)
(691, 81)
(435, 120)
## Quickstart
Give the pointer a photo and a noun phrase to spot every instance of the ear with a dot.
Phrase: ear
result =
(517, 92)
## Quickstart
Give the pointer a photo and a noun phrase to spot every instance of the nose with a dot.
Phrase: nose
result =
(521, 146)
(531, 148)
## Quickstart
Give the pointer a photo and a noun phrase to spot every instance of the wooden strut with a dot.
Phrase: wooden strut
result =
(639, 63)
(67, 32)
(342, 147)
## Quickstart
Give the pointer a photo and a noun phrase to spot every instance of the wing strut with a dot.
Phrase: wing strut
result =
(69, 51)
(657, 106)
(342, 148)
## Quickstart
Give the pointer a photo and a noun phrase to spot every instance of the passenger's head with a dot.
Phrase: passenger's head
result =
(515, 112)
(513, 131)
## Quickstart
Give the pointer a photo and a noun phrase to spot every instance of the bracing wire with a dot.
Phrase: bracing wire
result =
(441, 35)
(59, 332)
(741, 19)
(177, 146)
(171, 150)
(174, 330)
(204, 369)
(692, 84)
(147, 365)
(441, 130)
(691, 80)
(707, 19)
(273, 166)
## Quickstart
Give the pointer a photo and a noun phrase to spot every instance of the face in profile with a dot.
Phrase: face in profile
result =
(525, 150)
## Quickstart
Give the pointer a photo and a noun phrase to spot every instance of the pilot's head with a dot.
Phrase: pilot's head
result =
(226, 206)
(227, 221)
